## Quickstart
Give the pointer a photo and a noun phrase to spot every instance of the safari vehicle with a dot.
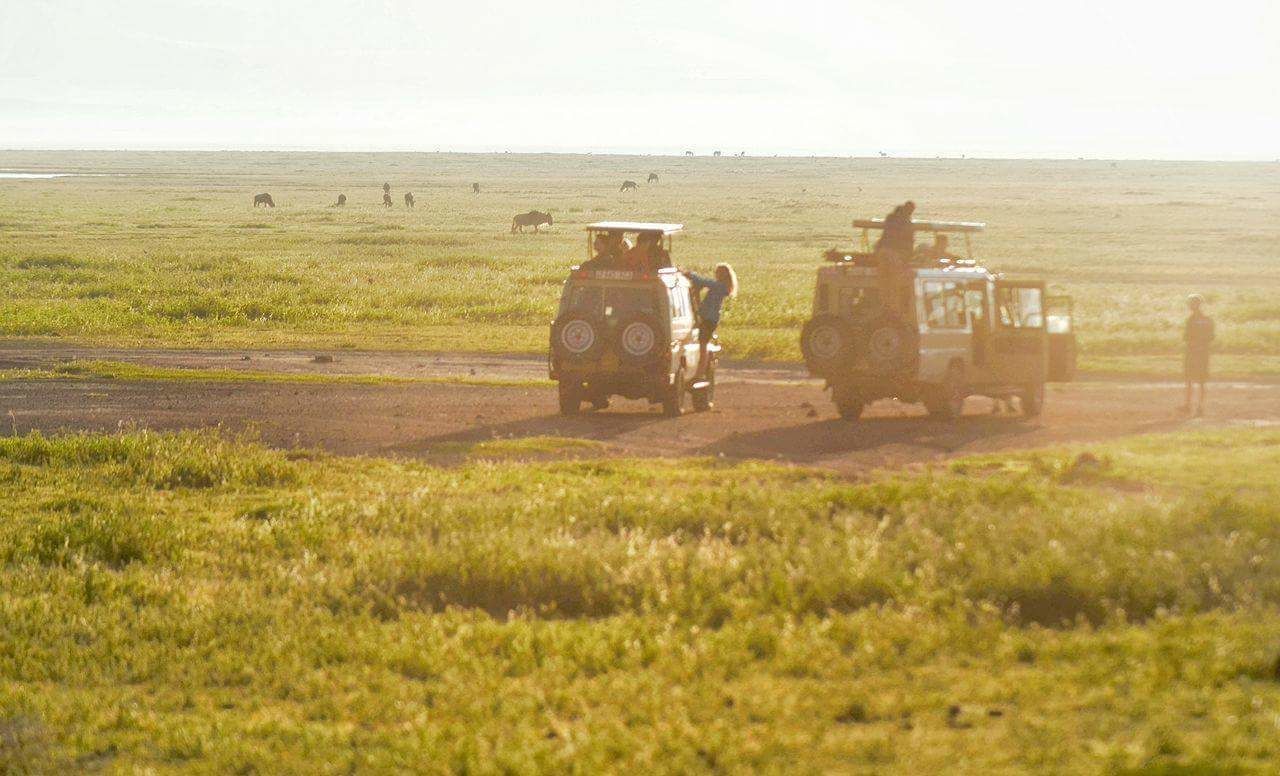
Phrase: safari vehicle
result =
(629, 333)
(933, 328)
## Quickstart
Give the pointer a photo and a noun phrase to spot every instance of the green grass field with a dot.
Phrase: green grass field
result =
(165, 248)
(201, 604)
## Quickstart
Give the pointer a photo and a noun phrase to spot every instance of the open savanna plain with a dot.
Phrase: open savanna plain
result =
(166, 249)
(221, 554)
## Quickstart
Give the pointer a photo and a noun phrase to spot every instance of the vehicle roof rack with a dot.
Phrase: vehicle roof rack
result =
(968, 227)
(633, 226)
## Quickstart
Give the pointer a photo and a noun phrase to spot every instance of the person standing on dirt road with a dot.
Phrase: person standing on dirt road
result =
(724, 286)
(1197, 339)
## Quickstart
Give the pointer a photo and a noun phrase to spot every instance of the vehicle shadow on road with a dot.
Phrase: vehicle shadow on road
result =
(824, 438)
(597, 426)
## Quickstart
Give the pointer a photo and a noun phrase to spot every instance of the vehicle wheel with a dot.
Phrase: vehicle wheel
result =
(673, 396)
(849, 403)
(570, 398)
(639, 340)
(704, 398)
(947, 399)
(577, 337)
(827, 343)
(1031, 399)
(890, 346)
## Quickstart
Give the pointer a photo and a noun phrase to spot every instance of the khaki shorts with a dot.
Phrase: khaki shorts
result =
(1196, 366)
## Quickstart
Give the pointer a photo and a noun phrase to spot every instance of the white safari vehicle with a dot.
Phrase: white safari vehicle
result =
(629, 333)
(933, 328)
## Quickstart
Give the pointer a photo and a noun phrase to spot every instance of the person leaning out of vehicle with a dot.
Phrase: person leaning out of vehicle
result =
(723, 286)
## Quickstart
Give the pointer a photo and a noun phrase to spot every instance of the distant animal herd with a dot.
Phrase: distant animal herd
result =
(534, 218)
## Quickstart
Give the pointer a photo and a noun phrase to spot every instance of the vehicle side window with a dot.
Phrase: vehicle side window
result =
(943, 304)
(679, 303)
(975, 301)
(1020, 308)
(1031, 307)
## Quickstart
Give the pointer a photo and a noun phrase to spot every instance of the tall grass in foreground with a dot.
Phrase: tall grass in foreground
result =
(192, 602)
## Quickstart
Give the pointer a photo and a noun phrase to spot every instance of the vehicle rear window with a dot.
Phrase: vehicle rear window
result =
(611, 300)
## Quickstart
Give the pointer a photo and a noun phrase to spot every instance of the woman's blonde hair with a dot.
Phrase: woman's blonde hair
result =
(726, 275)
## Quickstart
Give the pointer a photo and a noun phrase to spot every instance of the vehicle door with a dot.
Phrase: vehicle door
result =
(1019, 345)
(1060, 326)
(945, 336)
(684, 330)
(977, 302)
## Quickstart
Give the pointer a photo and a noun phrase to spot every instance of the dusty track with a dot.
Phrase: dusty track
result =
(772, 414)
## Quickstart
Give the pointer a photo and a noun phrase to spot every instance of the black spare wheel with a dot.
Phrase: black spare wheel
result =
(577, 337)
(889, 346)
(639, 339)
(827, 342)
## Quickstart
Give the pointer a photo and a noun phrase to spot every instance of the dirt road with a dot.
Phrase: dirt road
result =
(773, 414)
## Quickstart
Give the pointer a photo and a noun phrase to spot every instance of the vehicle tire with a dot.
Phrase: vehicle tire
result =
(570, 397)
(849, 402)
(673, 396)
(577, 337)
(705, 399)
(828, 344)
(889, 346)
(639, 341)
(946, 401)
(1031, 399)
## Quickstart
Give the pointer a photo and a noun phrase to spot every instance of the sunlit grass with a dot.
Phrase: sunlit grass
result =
(194, 602)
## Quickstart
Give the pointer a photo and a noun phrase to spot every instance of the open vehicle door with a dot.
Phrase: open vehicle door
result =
(1060, 324)
(1020, 353)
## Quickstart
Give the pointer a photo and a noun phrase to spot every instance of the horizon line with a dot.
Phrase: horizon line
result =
(530, 151)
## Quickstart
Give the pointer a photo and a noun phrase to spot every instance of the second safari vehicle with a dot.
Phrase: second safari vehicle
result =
(933, 327)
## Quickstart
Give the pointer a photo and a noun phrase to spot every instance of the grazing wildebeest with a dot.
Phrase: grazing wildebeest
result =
(408, 199)
(386, 188)
(629, 186)
(475, 188)
(688, 153)
(342, 201)
(717, 153)
(533, 218)
(653, 177)
(386, 199)
(264, 199)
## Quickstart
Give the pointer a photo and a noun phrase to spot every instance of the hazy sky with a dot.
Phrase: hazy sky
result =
(1112, 78)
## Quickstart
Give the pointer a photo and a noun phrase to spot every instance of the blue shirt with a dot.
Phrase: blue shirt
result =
(717, 292)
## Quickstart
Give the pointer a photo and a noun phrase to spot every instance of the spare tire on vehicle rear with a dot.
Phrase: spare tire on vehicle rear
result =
(577, 337)
(828, 343)
(640, 341)
(889, 346)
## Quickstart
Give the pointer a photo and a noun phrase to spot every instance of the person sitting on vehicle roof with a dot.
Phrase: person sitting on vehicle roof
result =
(609, 249)
(939, 249)
(641, 258)
(724, 286)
